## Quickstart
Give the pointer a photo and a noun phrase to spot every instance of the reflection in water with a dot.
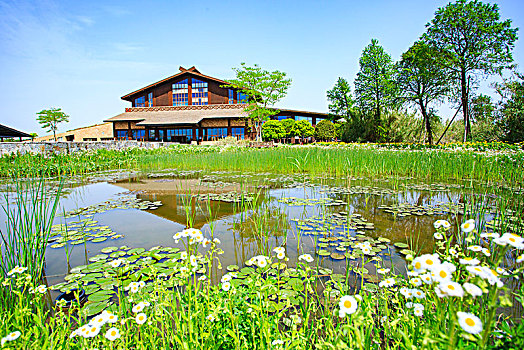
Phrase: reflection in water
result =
(256, 228)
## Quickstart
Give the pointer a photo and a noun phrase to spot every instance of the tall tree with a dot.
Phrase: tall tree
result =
(511, 110)
(50, 118)
(473, 41)
(375, 87)
(422, 82)
(340, 100)
(264, 89)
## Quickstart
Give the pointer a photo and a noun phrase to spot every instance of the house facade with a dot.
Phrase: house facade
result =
(190, 107)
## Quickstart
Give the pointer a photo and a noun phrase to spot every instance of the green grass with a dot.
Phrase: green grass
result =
(500, 167)
(252, 311)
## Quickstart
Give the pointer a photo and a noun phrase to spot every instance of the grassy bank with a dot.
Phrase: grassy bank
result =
(446, 302)
(454, 163)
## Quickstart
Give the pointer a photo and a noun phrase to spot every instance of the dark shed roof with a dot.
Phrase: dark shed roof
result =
(6, 131)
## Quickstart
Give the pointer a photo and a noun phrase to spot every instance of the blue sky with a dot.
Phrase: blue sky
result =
(83, 56)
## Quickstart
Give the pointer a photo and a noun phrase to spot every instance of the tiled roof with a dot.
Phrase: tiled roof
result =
(178, 115)
(183, 70)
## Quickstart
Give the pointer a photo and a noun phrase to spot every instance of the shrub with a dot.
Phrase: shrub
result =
(325, 131)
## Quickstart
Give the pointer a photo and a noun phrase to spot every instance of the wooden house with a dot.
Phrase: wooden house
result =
(190, 107)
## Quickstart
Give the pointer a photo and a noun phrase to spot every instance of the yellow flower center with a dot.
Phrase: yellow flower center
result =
(443, 274)
(470, 322)
(429, 262)
(450, 286)
(512, 239)
(113, 333)
(418, 265)
(466, 225)
(347, 304)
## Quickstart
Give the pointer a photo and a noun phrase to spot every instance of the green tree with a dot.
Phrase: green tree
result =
(340, 100)
(264, 89)
(303, 129)
(325, 130)
(273, 130)
(50, 118)
(482, 113)
(375, 85)
(422, 82)
(289, 127)
(473, 41)
(511, 110)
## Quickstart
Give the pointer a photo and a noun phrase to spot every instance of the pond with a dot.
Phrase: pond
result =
(135, 215)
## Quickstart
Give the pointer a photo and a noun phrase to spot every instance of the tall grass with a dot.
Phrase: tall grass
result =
(488, 167)
(435, 165)
(30, 210)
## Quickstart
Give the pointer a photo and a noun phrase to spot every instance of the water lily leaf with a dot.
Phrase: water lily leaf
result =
(337, 256)
(401, 245)
(323, 252)
(95, 307)
(100, 295)
(232, 268)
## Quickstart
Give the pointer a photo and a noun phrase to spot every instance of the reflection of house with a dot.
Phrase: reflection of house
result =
(98, 132)
(189, 106)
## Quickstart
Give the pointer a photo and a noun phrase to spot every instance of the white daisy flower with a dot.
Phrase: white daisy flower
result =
(116, 263)
(141, 318)
(453, 252)
(472, 289)
(388, 282)
(451, 288)
(42, 289)
(348, 305)
(11, 336)
(211, 318)
(306, 257)
(425, 262)
(520, 258)
(418, 312)
(17, 269)
(511, 239)
(226, 286)
(438, 235)
(426, 278)
(417, 293)
(469, 261)
(469, 322)
(383, 271)
(99, 320)
(279, 250)
(112, 334)
(93, 331)
(475, 248)
(468, 226)
(443, 272)
(492, 235)
(416, 281)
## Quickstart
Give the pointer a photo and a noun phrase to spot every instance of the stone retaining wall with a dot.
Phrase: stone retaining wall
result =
(71, 147)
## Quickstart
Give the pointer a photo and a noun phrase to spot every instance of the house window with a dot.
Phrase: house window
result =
(180, 135)
(238, 133)
(121, 134)
(138, 134)
(230, 95)
(198, 92)
(212, 134)
(140, 102)
(180, 93)
(241, 97)
(150, 99)
(301, 117)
